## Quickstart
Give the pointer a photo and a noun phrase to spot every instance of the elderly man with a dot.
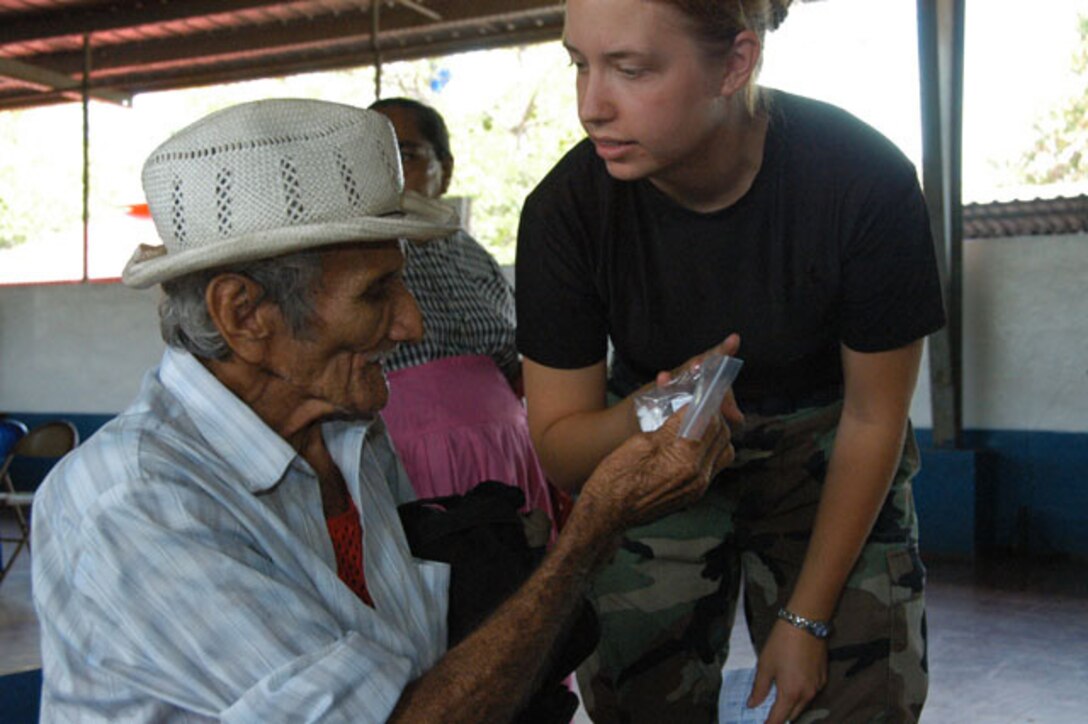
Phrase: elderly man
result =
(229, 547)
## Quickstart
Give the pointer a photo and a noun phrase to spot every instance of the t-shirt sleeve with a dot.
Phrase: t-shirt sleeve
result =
(891, 287)
(562, 320)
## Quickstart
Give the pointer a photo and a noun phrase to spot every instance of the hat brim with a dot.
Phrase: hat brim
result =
(153, 264)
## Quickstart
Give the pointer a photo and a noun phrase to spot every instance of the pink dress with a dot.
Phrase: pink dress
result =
(456, 422)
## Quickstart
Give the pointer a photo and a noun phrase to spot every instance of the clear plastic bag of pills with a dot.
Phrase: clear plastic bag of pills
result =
(701, 387)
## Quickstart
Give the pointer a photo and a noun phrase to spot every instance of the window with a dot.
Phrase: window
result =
(861, 55)
(1025, 83)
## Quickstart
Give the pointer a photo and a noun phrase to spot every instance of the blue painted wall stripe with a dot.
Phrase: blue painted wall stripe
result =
(1029, 493)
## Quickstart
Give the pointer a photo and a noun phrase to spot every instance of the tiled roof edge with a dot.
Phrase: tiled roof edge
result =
(1037, 217)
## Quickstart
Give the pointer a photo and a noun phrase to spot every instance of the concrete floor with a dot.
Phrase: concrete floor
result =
(1008, 640)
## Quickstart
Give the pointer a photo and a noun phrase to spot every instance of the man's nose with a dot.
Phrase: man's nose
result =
(407, 319)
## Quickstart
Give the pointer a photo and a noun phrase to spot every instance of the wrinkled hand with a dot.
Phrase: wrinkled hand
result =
(729, 346)
(797, 664)
(653, 474)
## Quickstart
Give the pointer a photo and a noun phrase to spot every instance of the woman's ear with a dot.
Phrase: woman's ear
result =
(447, 174)
(235, 305)
(741, 62)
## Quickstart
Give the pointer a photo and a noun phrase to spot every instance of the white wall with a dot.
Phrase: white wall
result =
(75, 348)
(921, 412)
(1025, 336)
(84, 348)
(1026, 346)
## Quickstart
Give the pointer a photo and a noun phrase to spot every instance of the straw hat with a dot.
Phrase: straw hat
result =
(272, 177)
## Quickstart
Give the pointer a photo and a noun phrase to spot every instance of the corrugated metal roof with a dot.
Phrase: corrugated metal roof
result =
(131, 46)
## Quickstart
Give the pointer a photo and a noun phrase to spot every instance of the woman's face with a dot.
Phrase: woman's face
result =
(648, 96)
(423, 172)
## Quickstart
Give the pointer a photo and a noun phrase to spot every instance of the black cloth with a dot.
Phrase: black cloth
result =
(481, 535)
(830, 245)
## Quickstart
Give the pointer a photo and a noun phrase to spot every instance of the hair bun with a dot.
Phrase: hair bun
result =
(779, 10)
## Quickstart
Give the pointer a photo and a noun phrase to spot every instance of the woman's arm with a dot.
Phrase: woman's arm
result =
(572, 427)
(868, 444)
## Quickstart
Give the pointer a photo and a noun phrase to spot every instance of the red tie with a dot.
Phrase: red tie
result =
(347, 540)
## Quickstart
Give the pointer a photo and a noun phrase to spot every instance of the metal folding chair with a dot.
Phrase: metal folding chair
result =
(52, 439)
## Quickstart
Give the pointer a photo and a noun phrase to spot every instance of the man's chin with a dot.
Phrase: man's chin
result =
(366, 393)
(374, 404)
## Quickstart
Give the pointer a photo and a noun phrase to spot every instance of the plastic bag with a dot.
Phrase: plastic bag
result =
(702, 387)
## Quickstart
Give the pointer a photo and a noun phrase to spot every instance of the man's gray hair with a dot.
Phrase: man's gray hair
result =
(290, 282)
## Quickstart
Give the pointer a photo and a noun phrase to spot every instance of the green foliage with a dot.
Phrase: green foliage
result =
(10, 233)
(506, 129)
(1060, 151)
(39, 194)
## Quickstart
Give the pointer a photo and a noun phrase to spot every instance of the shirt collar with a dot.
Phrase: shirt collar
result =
(258, 455)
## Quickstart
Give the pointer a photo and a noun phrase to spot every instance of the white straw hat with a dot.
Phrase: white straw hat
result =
(272, 177)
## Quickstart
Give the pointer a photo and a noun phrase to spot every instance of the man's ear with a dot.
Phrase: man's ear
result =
(235, 305)
(741, 62)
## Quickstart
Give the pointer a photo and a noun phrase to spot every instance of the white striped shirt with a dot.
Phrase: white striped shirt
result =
(182, 570)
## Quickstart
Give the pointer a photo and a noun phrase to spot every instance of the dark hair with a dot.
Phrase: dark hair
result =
(716, 23)
(428, 120)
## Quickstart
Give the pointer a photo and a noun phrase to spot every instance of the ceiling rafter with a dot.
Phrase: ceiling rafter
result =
(75, 19)
(63, 85)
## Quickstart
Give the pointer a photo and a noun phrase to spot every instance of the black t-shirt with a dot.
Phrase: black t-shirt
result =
(830, 245)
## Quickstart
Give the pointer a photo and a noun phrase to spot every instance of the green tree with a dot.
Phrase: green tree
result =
(511, 115)
(39, 190)
(1060, 151)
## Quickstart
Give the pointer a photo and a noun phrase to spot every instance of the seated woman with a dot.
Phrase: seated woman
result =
(455, 411)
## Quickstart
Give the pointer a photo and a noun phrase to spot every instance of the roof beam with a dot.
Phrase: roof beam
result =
(78, 20)
(341, 41)
(421, 9)
(51, 80)
(309, 42)
(318, 58)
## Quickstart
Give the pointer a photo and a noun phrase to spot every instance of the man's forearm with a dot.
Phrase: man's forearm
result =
(492, 673)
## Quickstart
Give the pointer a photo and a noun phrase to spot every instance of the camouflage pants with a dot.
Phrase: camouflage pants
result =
(668, 601)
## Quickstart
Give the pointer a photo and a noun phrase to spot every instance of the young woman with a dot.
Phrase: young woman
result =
(704, 208)
(455, 413)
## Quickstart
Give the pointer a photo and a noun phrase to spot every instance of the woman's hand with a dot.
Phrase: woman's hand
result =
(728, 347)
(796, 662)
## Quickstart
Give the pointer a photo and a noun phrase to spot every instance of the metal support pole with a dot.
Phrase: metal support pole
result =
(940, 60)
(375, 29)
(86, 100)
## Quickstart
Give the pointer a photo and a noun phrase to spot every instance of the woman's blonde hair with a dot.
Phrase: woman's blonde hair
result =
(716, 23)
